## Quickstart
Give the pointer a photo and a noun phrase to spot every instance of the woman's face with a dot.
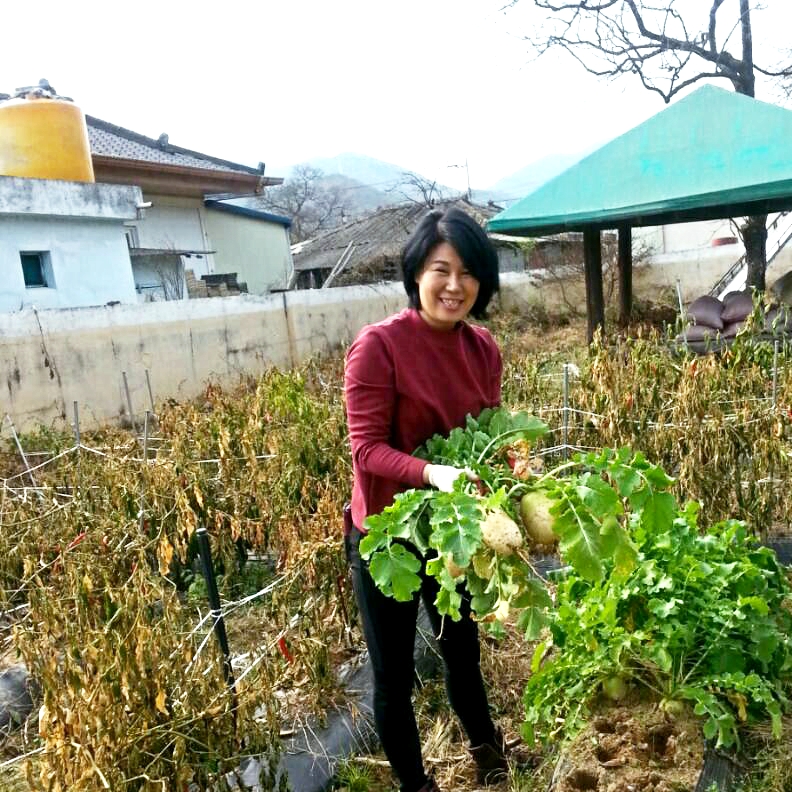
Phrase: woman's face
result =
(446, 289)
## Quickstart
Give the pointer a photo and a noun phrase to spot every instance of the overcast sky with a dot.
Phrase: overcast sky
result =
(424, 84)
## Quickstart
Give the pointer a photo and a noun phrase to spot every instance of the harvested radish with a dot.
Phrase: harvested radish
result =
(501, 533)
(535, 513)
(614, 687)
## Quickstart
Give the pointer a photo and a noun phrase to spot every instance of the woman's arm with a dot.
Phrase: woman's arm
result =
(370, 391)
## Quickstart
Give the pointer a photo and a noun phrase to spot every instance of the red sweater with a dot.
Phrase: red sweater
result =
(403, 383)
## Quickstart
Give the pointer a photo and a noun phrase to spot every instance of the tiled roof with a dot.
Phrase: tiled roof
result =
(379, 234)
(109, 140)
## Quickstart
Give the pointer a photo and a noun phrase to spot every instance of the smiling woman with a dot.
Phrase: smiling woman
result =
(407, 378)
(446, 289)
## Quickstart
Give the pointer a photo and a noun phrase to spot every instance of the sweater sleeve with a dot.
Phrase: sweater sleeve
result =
(370, 391)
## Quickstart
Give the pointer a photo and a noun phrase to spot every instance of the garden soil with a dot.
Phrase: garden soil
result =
(633, 748)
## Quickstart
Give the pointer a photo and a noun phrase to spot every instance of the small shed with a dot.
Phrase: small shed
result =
(710, 155)
(368, 250)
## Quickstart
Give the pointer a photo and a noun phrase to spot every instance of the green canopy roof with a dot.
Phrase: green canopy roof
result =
(713, 154)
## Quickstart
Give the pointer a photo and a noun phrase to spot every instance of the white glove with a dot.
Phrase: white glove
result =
(442, 477)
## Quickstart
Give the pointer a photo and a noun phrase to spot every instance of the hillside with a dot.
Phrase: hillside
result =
(367, 183)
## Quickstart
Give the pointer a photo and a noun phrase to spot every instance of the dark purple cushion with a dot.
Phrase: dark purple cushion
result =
(698, 333)
(731, 329)
(738, 307)
(706, 310)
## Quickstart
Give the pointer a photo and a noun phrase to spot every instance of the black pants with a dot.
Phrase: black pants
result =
(389, 627)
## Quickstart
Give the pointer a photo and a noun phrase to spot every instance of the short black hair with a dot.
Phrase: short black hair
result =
(469, 240)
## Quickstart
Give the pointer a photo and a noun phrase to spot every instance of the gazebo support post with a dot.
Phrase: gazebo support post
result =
(592, 258)
(625, 274)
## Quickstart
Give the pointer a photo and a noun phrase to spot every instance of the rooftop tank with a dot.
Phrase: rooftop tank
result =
(44, 136)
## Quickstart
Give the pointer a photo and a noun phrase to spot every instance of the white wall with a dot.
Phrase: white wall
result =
(685, 252)
(681, 237)
(177, 224)
(257, 250)
(90, 262)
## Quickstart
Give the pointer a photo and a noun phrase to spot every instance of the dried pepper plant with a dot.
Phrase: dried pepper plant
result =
(132, 695)
(719, 424)
(102, 570)
(132, 686)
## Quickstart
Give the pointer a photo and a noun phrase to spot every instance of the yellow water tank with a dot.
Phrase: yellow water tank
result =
(44, 136)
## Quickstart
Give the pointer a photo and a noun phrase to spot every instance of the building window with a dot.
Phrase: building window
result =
(36, 270)
(132, 237)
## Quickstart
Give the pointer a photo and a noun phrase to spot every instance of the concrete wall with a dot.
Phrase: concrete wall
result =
(55, 198)
(49, 359)
(257, 250)
(685, 252)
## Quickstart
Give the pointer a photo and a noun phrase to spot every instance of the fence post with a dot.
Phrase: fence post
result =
(151, 395)
(775, 374)
(78, 441)
(141, 508)
(565, 435)
(21, 451)
(205, 552)
(129, 402)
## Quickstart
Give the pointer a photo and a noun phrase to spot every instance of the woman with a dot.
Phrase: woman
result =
(418, 373)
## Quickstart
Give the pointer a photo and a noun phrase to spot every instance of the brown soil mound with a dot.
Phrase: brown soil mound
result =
(633, 749)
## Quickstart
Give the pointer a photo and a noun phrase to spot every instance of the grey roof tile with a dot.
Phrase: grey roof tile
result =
(110, 140)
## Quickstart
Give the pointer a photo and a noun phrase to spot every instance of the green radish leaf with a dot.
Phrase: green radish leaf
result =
(657, 509)
(579, 536)
(397, 521)
(455, 523)
(394, 569)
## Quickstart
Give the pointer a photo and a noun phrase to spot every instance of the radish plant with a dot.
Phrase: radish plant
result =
(645, 602)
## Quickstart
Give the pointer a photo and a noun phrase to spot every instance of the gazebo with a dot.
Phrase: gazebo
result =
(713, 154)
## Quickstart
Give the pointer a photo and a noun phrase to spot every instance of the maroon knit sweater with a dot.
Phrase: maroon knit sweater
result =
(404, 382)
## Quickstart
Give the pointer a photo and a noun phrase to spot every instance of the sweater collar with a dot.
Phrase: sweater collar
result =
(426, 331)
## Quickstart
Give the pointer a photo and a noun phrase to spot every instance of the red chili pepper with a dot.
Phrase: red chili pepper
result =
(74, 542)
(284, 650)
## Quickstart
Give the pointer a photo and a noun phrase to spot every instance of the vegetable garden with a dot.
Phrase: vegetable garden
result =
(662, 476)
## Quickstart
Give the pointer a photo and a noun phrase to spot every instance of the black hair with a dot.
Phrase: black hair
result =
(468, 239)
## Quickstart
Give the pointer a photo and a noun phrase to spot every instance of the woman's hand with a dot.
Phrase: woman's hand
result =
(442, 477)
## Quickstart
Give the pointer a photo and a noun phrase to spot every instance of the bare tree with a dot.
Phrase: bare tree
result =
(170, 275)
(417, 189)
(668, 50)
(309, 202)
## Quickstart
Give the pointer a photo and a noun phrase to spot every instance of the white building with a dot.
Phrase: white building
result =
(63, 244)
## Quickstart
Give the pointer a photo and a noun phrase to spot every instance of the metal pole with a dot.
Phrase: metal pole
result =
(77, 439)
(21, 451)
(205, 552)
(145, 466)
(129, 401)
(151, 395)
(566, 411)
(679, 298)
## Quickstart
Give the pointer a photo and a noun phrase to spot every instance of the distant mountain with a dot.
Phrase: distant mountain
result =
(369, 183)
(367, 170)
(526, 180)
